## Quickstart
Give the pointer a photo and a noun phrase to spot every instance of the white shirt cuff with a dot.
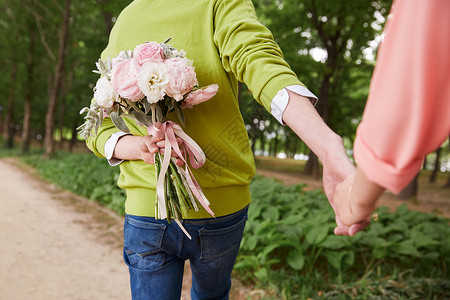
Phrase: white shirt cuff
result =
(110, 145)
(281, 100)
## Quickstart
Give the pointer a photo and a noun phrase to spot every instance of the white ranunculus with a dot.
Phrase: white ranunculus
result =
(152, 80)
(104, 93)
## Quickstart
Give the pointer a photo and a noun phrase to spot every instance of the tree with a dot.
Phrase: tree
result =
(342, 30)
(26, 130)
(410, 190)
(437, 165)
(51, 108)
(10, 41)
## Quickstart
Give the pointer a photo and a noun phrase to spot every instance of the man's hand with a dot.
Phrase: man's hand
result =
(304, 120)
(143, 148)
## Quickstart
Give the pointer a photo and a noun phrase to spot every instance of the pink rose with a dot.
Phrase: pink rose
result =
(124, 80)
(151, 51)
(182, 77)
(199, 96)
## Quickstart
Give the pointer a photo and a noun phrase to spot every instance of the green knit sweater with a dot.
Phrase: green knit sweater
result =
(227, 44)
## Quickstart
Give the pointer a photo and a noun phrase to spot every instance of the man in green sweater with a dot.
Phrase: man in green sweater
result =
(227, 44)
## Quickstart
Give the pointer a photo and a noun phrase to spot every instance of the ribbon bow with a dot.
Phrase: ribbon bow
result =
(169, 131)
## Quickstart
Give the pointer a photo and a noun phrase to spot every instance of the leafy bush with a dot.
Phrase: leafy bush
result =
(82, 174)
(289, 245)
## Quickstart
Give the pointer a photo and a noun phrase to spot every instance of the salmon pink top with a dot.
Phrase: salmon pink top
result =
(408, 110)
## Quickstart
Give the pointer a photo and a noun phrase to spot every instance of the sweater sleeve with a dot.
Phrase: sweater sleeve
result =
(248, 50)
(97, 143)
(408, 110)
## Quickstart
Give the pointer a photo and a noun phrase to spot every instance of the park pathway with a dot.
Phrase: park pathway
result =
(54, 245)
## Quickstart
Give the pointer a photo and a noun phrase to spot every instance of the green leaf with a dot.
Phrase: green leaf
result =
(317, 234)
(271, 213)
(407, 247)
(99, 122)
(335, 258)
(119, 122)
(159, 114)
(334, 242)
(142, 118)
(261, 274)
(296, 259)
(349, 258)
(251, 242)
(147, 106)
(180, 114)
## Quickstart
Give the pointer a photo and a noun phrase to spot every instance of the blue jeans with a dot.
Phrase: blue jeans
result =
(155, 252)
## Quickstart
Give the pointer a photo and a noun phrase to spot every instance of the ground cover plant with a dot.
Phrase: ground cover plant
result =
(289, 246)
(289, 249)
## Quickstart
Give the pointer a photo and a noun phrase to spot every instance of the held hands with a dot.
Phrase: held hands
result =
(338, 176)
(350, 216)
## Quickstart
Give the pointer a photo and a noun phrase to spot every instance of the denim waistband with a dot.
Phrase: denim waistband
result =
(218, 219)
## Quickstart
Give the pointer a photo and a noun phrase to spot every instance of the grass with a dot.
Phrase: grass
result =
(288, 165)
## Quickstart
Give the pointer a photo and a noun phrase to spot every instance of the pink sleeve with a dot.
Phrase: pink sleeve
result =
(407, 114)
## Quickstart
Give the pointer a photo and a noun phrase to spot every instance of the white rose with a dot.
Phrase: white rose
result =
(104, 93)
(152, 80)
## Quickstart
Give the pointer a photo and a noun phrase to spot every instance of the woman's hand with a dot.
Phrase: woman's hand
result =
(354, 200)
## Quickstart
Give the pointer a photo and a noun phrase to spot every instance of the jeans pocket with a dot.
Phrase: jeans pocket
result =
(222, 242)
(142, 243)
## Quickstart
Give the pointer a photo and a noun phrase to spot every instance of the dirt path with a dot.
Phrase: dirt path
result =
(55, 245)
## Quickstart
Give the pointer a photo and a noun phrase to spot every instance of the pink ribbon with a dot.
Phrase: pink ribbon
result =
(169, 131)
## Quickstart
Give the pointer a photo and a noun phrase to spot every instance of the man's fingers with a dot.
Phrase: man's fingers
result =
(149, 146)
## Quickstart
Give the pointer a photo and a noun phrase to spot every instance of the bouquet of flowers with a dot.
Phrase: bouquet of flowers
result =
(146, 84)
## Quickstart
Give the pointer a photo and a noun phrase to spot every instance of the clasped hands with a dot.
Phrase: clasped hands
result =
(353, 199)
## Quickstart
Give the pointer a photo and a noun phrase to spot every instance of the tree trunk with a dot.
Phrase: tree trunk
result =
(26, 130)
(62, 111)
(262, 142)
(8, 126)
(294, 149)
(253, 138)
(73, 139)
(51, 108)
(107, 15)
(276, 142)
(447, 185)
(425, 162)
(410, 190)
(312, 166)
(437, 166)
